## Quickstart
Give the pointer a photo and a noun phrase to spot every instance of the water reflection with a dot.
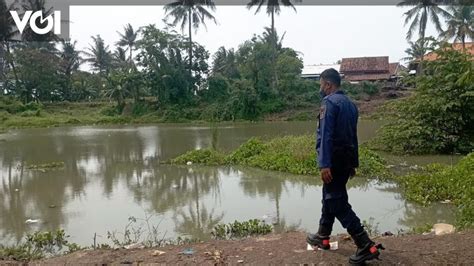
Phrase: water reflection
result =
(111, 173)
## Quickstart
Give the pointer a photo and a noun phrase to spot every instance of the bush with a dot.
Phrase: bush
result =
(439, 118)
(293, 154)
(110, 111)
(38, 245)
(241, 229)
(10, 105)
(140, 108)
(217, 112)
(245, 152)
(4, 115)
(439, 182)
(31, 113)
(33, 106)
(205, 156)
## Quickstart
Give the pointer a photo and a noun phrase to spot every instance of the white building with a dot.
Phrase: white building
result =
(314, 71)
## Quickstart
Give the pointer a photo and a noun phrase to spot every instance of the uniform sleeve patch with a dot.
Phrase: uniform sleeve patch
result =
(322, 111)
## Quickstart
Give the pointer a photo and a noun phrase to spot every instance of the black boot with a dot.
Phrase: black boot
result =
(320, 239)
(366, 249)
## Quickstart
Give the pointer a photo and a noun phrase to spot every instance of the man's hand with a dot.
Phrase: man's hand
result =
(326, 175)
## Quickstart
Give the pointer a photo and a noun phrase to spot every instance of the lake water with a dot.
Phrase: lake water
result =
(113, 173)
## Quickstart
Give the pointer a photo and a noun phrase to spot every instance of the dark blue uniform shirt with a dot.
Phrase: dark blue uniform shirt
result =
(337, 128)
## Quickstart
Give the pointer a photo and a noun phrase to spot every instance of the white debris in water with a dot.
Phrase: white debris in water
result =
(175, 186)
(16, 190)
(32, 221)
(189, 163)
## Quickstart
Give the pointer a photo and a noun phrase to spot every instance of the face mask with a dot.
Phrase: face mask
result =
(322, 94)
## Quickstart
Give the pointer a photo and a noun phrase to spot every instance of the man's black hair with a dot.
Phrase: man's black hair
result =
(332, 76)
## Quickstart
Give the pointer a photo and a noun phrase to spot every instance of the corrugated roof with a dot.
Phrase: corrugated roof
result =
(365, 64)
(317, 69)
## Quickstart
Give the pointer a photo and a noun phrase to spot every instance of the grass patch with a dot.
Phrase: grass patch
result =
(45, 166)
(241, 229)
(205, 156)
(439, 182)
(292, 154)
(39, 245)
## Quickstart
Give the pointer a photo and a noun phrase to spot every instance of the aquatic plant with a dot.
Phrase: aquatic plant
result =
(241, 229)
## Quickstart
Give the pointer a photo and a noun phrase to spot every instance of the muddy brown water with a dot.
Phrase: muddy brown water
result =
(113, 173)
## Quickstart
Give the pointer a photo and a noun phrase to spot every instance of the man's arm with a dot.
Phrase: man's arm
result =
(327, 123)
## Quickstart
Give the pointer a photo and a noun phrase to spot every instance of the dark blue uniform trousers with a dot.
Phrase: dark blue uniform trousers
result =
(336, 203)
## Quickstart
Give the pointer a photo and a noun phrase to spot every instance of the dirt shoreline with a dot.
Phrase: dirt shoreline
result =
(287, 248)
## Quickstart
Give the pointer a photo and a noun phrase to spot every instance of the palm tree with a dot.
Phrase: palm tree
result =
(29, 34)
(225, 63)
(71, 61)
(273, 7)
(99, 55)
(271, 37)
(418, 50)
(128, 38)
(119, 57)
(8, 31)
(70, 56)
(193, 13)
(418, 15)
(421, 11)
(460, 24)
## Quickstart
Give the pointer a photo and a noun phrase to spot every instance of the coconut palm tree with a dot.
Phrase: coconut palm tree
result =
(418, 50)
(71, 61)
(29, 34)
(70, 56)
(8, 31)
(119, 58)
(193, 13)
(128, 38)
(460, 24)
(418, 15)
(273, 7)
(99, 55)
(225, 62)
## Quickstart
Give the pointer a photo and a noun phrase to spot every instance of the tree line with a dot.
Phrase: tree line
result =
(260, 76)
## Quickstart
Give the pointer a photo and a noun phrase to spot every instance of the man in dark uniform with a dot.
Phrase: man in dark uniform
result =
(338, 157)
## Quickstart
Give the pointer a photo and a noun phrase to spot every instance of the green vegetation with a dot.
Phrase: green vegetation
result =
(371, 227)
(241, 229)
(292, 154)
(439, 117)
(362, 90)
(153, 75)
(38, 245)
(45, 166)
(437, 183)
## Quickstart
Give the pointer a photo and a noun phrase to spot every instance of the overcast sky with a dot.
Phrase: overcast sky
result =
(323, 34)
